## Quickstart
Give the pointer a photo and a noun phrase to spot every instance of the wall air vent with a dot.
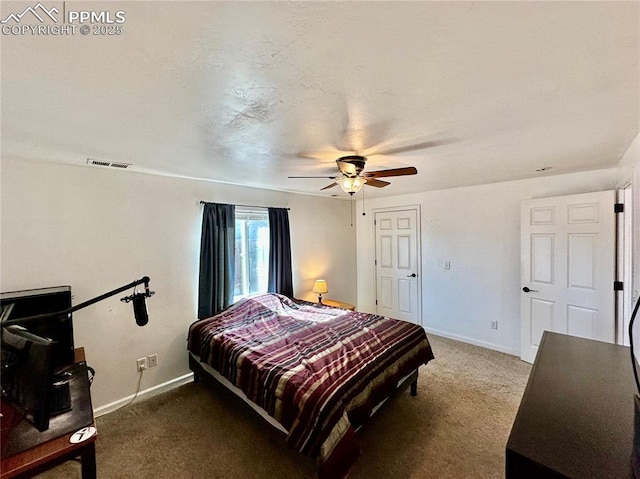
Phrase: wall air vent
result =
(111, 164)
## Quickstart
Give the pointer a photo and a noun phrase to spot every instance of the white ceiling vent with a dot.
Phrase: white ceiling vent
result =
(111, 164)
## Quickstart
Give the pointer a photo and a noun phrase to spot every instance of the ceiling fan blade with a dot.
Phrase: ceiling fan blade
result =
(329, 186)
(327, 177)
(376, 183)
(328, 155)
(347, 168)
(409, 170)
(357, 136)
(417, 146)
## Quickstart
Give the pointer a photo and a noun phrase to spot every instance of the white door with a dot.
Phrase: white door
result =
(397, 264)
(568, 268)
(625, 264)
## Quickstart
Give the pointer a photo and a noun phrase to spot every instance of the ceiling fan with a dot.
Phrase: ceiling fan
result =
(352, 176)
(357, 142)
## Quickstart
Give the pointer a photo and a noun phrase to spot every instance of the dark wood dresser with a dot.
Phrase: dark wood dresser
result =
(576, 415)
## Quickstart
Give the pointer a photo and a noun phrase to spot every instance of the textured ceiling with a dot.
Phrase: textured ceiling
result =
(253, 92)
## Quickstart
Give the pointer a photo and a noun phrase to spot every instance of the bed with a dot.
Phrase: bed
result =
(318, 372)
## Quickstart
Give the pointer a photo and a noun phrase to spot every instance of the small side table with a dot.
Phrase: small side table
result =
(58, 448)
(338, 304)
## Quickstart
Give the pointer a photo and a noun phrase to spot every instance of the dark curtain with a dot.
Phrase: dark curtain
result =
(217, 259)
(280, 277)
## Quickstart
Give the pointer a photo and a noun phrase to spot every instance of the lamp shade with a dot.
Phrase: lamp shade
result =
(351, 185)
(320, 286)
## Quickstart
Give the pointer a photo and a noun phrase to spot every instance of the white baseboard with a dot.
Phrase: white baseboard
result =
(152, 391)
(475, 342)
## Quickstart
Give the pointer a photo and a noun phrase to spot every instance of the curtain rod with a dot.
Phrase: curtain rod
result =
(248, 206)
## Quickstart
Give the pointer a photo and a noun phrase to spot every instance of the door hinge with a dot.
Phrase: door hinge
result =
(618, 286)
(375, 262)
(618, 208)
(376, 302)
(374, 222)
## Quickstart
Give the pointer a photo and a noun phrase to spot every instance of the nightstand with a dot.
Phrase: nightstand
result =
(338, 304)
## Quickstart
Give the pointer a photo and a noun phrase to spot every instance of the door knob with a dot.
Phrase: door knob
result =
(412, 275)
(528, 290)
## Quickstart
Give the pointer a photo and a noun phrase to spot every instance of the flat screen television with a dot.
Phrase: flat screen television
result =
(34, 302)
(27, 373)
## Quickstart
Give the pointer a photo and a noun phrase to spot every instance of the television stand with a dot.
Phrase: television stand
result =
(44, 450)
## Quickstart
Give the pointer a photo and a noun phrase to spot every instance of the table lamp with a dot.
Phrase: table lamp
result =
(320, 287)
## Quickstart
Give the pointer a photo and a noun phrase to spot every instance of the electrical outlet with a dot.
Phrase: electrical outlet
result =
(152, 360)
(494, 324)
(142, 364)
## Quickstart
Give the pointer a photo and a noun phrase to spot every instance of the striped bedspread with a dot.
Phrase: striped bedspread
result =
(318, 371)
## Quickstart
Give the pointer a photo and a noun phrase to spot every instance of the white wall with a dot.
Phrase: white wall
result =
(97, 229)
(477, 229)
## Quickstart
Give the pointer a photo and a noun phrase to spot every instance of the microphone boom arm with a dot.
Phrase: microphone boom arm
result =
(97, 299)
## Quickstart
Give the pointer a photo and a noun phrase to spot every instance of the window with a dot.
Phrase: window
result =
(252, 252)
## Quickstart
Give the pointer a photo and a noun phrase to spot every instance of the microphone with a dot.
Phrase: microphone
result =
(140, 309)
(140, 303)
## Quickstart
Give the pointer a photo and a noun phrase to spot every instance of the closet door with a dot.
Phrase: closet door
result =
(397, 265)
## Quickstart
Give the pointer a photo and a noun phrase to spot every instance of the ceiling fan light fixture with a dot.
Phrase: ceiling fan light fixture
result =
(351, 185)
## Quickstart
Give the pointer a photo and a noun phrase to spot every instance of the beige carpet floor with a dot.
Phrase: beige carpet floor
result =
(456, 427)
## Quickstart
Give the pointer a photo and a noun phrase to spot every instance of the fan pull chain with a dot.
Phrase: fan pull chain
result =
(351, 210)
(363, 213)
